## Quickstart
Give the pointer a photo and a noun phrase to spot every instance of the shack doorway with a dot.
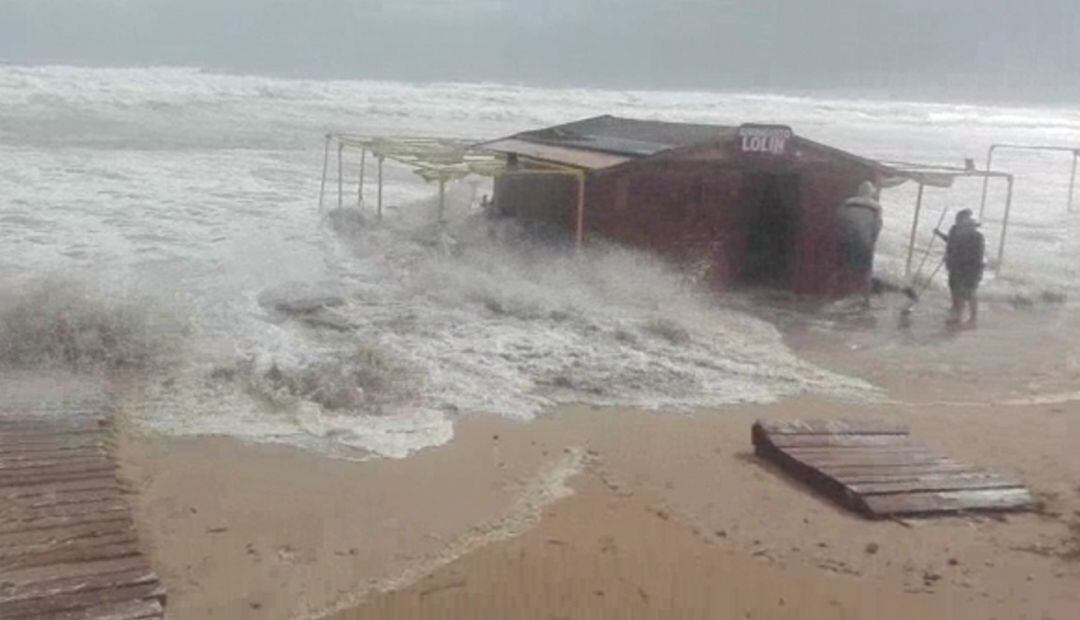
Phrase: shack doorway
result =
(772, 203)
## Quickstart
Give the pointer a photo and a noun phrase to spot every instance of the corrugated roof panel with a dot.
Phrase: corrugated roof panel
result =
(568, 156)
(627, 136)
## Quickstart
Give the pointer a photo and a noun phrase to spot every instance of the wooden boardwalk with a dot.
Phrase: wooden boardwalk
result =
(68, 547)
(876, 469)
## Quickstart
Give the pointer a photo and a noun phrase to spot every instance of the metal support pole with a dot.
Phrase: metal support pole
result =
(325, 165)
(340, 175)
(914, 231)
(360, 183)
(1005, 225)
(442, 198)
(986, 180)
(579, 233)
(379, 211)
(1072, 181)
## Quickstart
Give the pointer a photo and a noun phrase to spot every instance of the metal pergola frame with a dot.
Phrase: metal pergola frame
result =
(1026, 147)
(433, 159)
(944, 176)
(436, 159)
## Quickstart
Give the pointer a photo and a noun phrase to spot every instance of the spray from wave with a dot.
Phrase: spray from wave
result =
(64, 324)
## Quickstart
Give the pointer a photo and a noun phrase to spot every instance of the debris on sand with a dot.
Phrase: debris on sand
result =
(298, 298)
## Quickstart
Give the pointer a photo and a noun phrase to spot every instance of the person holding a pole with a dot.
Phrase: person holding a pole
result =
(965, 250)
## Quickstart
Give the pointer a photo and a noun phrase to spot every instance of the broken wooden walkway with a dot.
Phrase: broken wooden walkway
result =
(68, 547)
(876, 469)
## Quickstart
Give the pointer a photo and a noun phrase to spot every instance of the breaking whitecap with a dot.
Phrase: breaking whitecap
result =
(416, 324)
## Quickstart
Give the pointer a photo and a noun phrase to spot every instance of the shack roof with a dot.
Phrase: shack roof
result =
(606, 141)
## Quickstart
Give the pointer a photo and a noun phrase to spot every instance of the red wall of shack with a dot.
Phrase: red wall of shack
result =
(701, 212)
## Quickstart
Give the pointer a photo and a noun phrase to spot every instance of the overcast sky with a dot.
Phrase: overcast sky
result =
(1008, 49)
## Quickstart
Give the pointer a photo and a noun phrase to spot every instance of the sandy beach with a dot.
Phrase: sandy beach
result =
(594, 512)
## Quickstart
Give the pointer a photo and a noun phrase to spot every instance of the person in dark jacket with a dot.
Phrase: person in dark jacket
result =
(965, 249)
(860, 225)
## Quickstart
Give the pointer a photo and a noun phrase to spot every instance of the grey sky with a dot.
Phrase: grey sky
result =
(942, 49)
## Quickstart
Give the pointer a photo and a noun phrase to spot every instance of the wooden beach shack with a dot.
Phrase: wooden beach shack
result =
(757, 203)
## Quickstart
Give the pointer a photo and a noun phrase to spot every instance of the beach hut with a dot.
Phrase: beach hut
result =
(755, 204)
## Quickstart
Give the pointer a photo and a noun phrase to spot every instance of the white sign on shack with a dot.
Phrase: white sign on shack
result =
(768, 139)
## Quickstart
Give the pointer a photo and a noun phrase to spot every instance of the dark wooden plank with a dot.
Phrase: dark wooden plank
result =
(24, 582)
(831, 427)
(85, 584)
(72, 553)
(907, 474)
(102, 481)
(143, 609)
(12, 554)
(938, 483)
(40, 606)
(850, 452)
(101, 443)
(838, 441)
(949, 501)
(46, 434)
(99, 461)
(46, 424)
(43, 500)
(63, 522)
(849, 461)
(10, 513)
(65, 533)
(48, 475)
(45, 455)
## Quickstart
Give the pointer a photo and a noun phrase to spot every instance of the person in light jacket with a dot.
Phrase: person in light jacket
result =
(860, 225)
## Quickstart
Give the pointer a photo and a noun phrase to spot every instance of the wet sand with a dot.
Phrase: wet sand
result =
(591, 512)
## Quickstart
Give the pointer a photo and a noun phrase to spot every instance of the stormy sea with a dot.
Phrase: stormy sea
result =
(162, 225)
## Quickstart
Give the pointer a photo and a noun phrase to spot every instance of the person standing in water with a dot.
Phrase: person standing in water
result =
(860, 225)
(965, 249)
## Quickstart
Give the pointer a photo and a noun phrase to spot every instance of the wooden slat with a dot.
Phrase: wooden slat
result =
(103, 481)
(949, 501)
(813, 441)
(910, 474)
(884, 472)
(126, 610)
(13, 555)
(65, 534)
(841, 461)
(73, 553)
(27, 502)
(44, 455)
(939, 483)
(41, 606)
(68, 521)
(13, 513)
(99, 461)
(832, 427)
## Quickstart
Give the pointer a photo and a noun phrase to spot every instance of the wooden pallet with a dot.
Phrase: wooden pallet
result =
(68, 547)
(876, 469)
